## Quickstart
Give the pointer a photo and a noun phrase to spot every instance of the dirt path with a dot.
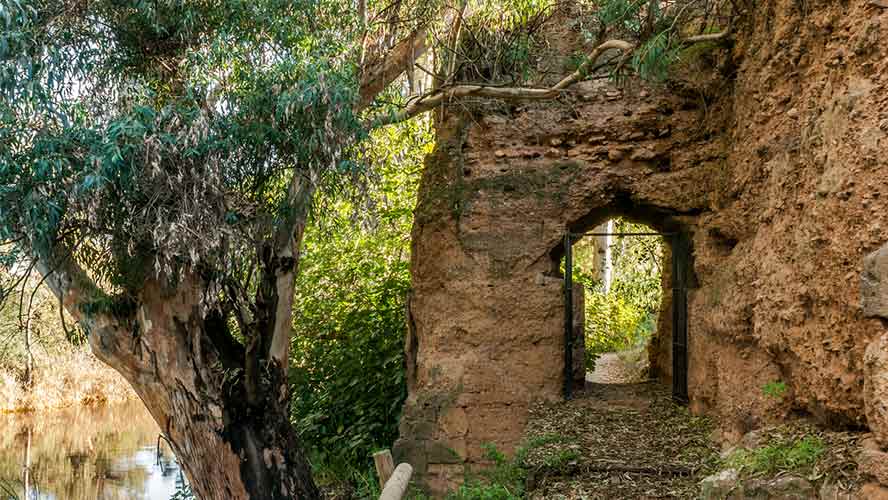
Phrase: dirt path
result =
(617, 441)
(611, 369)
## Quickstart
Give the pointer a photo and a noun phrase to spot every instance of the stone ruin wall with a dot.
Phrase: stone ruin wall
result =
(777, 167)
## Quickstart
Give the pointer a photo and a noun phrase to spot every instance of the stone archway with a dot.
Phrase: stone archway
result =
(676, 275)
(782, 190)
(486, 312)
(497, 196)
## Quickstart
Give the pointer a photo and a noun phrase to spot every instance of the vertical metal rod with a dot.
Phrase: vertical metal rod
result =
(680, 256)
(568, 316)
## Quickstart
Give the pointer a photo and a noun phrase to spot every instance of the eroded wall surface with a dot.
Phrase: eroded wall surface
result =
(776, 165)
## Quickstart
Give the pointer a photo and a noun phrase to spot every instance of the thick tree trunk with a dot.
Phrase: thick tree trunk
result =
(254, 454)
(182, 363)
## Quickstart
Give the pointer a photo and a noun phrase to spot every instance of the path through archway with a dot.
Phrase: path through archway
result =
(624, 317)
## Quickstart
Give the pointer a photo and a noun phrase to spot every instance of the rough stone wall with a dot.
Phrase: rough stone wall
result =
(777, 168)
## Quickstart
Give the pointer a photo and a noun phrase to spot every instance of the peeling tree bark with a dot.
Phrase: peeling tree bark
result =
(223, 404)
(175, 357)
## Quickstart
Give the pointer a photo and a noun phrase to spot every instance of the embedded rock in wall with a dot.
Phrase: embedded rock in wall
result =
(874, 283)
(874, 302)
(875, 388)
(872, 461)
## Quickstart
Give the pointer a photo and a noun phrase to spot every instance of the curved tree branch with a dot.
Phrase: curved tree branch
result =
(437, 97)
(76, 291)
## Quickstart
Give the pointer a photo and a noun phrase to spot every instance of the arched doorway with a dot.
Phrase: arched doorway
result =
(673, 307)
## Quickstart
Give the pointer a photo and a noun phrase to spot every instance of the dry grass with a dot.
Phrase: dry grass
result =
(61, 380)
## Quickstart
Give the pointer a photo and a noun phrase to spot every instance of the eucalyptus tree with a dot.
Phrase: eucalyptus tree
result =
(159, 160)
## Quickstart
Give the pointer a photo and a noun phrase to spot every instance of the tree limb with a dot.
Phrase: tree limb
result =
(75, 290)
(709, 37)
(437, 97)
(277, 282)
(379, 75)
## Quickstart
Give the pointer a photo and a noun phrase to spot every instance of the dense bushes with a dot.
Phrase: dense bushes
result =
(347, 374)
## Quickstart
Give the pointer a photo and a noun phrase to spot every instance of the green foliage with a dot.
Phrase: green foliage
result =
(352, 481)
(782, 456)
(775, 389)
(504, 480)
(620, 13)
(625, 315)
(154, 135)
(654, 58)
(561, 459)
(613, 324)
(476, 490)
(347, 355)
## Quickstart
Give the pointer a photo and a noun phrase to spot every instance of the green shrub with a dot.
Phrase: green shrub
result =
(503, 481)
(625, 315)
(781, 456)
(348, 368)
(775, 389)
(347, 371)
(614, 324)
(476, 490)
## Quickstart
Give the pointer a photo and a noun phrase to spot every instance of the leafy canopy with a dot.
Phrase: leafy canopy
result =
(157, 134)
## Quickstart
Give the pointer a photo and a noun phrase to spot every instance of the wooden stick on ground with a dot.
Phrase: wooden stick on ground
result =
(385, 466)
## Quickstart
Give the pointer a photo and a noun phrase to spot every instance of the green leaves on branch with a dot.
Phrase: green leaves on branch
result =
(164, 133)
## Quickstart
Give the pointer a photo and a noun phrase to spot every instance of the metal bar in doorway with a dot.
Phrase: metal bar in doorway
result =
(623, 234)
(679, 318)
(568, 317)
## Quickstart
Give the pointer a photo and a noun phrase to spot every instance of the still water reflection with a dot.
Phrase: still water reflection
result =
(107, 453)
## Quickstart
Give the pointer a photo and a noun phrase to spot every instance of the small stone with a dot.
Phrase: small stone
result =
(792, 113)
(555, 142)
(783, 487)
(499, 153)
(643, 93)
(642, 154)
(614, 154)
(719, 485)
(872, 461)
(875, 389)
(874, 283)
(873, 491)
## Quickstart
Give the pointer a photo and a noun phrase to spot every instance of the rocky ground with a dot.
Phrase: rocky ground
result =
(631, 441)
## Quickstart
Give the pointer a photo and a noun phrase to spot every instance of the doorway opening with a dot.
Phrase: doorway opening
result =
(624, 281)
